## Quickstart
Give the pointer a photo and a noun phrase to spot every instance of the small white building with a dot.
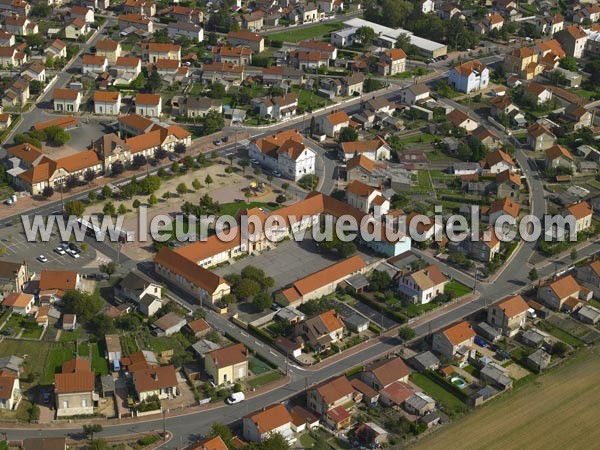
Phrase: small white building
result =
(148, 105)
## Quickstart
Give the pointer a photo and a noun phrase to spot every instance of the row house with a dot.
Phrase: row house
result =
(217, 72)
(56, 49)
(67, 100)
(238, 56)
(326, 49)
(280, 107)
(185, 14)
(309, 59)
(107, 102)
(189, 30)
(140, 7)
(136, 21)
(11, 57)
(20, 26)
(254, 41)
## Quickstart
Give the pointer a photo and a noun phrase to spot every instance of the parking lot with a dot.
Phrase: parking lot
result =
(18, 248)
(286, 263)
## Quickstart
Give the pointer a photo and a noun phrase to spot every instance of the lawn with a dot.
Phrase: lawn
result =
(128, 345)
(560, 334)
(548, 414)
(302, 34)
(71, 336)
(416, 310)
(586, 94)
(440, 156)
(99, 362)
(309, 100)
(441, 395)
(424, 138)
(257, 366)
(263, 380)
(424, 180)
(412, 73)
(457, 289)
(56, 357)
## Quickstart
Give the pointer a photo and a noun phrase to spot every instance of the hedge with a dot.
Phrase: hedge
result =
(396, 316)
(454, 390)
(262, 334)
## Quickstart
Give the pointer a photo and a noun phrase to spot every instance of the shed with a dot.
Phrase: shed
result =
(107, 384)
(357, 282)
(356, 323)
(533, 337)
(488, 331)
(538, 360)
(588, 314)
(425, 361)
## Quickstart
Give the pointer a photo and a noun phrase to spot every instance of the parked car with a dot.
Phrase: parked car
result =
(59, 250)
(74, 247)
(217, 142)
(42, 259)
(276, 173)
(479, 341)
(236, 397)
(254, 162)
(73, 253)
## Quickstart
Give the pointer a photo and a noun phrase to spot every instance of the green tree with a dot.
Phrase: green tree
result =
(406, 333)
(99, 444)
(106, 192)
(196, 184)
(569, 63)
(109, 209)
(223, 431)
(208, 180)
(92, 196)
(573, 254)
(262, 301)
(74, 208)
(48, 191)
(181, 189)
(154, 83)
(152, 200)
(348, 134)
(380, 281)
(280, 199)
(175, 168)
(34, 413)
(244, 163)
(559, 348)
(108, 268)
(122, 209)
(57, 136)
(533, 274)
(247, 288)
(213, 122)
(35, 87)
(90, 430)
(83, 304)
(364, 35)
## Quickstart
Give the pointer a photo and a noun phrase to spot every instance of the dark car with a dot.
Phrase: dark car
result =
(74, 247)
(480, 341)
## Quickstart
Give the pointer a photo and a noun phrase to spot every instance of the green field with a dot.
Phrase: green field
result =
(441, 395)
(263, 380)
(302, 34)
(457, 289)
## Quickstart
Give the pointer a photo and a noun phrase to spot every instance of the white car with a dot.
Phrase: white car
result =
(59, 250)
(42, 259)
(73, 253)
(236, 397)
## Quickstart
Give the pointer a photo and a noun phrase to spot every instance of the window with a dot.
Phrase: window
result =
(84, 403)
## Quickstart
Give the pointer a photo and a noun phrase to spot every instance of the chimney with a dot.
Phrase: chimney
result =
(155, 376)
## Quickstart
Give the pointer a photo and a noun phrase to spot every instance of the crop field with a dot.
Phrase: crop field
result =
(557, 410)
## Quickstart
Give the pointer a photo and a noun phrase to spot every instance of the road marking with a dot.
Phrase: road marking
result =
(274, 354)
(258, 343)
(230, 325)
(244, 334)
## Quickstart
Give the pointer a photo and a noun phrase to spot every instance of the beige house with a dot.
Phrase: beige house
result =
(330, 394)
(74, 389)
(13, 276)
(10, 390)
(156, 381)
(582, 212)
(228, 364)
(509, 314)
(76, 28)
(153, 51)
(67, 100)
(422, 286)
(391, 62)
(555, 293)
(333, 123)
(254, 41)
(558, 156)
(11, 57)
(259, 425)
(20, 26)
(19, 303)
(138, 21)
(454, 342)
(111, 50)
(57, 49)
(539, 137)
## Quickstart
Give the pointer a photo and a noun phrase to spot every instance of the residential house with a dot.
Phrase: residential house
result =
(333, 123)
(422, 286)
(198, 328)
(320, 331)
(285, 152)
(502, 106)
(5, 121)
(76, 28)
(590, 13)
(127, 68)
(56, 49)
(74, 388)
(505, 209)
(455, 341)
(94, 64)
(470, 76)
(485, 247)
(362, 168)
(87, 14)
(192, 107)
(365, 198)
(523, 61)
(153, 51)
(169, 324)
(67, 100)
(282, 75)
(20, 26)
(330, 394)
(415, 94)
(185, 14)
(308, 60)
(54, 284)
(188, 30)
(148, 105)
(254, 41)
(540, 138)
(579, 116)
(496, 375)
(498, 161)
(508, 184)
(374, 149)
(462, 120)
(213, 443)
(260, 424)
(110, 49)
(280, 107)
(509, 314)
(572, 39)
(11, 57)
(34, 71)
(222, 72)
(107, 102)
(558, 156)
(227, 364)
(582, 212)
(158, 381)
(237, 56)
(11, 364)
(13, 276)
(136, 21)
(19, 303)
(448, 10)
(538, 92)
(17, 93)
(555, 293)
(488, 137)
(353, 84)
(425, 361)
(539, 360)
(325, 48)
(69, 322)
(7, 39)
(382, 374)
(426, 6)
(10, 390)
(395, 394)
(141, 7)
(253, 21)
(589, 275)
(419, 404)
(551, 25)
(391, 62)
(491, 22)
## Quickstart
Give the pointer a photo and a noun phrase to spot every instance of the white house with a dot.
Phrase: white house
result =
(67, 100)
(93, 64)
(107, 102)
(373, 149)
(148, 105)
(422, 286)
(333, 123)
(264, 422)
(18, 302)
(285, 152)
(456, 341)
(468, 77)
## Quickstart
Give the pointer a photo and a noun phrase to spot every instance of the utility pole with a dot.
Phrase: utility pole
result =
(164, 424)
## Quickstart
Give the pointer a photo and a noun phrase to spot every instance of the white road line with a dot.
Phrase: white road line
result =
(258, 343)
(244, 334)
(274, 354)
